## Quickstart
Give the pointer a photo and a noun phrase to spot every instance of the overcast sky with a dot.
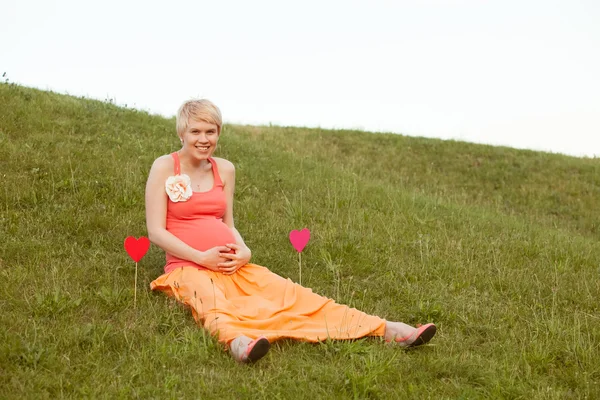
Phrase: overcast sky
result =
(518, 73)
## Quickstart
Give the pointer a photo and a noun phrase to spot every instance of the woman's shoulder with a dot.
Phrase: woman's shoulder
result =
(224, 165)
(163, 164)
(164, 160)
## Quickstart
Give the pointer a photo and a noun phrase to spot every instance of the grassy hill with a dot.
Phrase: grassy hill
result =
(499, 247)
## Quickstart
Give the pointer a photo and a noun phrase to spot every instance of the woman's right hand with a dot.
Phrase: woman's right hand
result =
(212, 257)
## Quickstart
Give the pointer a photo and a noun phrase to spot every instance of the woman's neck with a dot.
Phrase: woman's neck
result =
(191, 162)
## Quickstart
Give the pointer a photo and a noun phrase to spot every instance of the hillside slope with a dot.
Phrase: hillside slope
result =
(498, 247)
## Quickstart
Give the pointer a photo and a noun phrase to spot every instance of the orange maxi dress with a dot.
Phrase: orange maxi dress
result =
(253, 301)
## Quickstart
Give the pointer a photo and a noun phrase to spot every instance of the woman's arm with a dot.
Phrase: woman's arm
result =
(227, 170)
(242, 252)
(156, 219)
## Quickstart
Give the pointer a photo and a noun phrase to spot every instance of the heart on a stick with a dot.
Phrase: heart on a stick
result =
(300, 239)
(137, 248)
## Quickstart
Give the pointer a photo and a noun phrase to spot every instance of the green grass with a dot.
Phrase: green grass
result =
(499, 247)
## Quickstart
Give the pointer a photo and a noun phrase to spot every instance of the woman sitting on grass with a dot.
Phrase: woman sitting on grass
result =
(189, 214)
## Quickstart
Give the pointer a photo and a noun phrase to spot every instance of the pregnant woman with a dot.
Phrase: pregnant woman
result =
(189, 214)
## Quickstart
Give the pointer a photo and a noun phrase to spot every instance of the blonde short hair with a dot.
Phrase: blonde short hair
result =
(198, 110)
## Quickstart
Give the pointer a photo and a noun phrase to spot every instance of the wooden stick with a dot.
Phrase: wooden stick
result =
(300, 265)
(135, 288)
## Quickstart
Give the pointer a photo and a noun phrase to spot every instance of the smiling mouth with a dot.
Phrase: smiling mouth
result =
(203, 147)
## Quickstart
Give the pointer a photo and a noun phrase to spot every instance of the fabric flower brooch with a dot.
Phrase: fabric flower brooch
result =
(179, 188)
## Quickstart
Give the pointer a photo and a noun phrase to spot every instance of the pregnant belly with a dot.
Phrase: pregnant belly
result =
(202, 234)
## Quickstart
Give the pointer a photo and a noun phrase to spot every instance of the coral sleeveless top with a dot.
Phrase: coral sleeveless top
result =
(198, 221)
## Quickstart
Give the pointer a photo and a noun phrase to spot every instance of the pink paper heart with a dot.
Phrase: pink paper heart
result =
(136, 248)
(300, 239)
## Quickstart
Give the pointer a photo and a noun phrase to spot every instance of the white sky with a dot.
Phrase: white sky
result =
(512, 72)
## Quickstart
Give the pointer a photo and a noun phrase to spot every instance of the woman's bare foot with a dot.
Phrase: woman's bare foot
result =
(407, 336)
(246, 350)
(397, 330)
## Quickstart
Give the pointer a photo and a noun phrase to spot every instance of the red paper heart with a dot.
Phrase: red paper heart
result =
(137, 248)
(300, 239)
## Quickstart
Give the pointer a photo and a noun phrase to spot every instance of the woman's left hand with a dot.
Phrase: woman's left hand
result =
(238, 259)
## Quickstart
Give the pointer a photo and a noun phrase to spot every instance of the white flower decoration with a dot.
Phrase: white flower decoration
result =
(179, 188)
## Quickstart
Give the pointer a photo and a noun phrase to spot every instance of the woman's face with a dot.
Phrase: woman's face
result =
(200, 139)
